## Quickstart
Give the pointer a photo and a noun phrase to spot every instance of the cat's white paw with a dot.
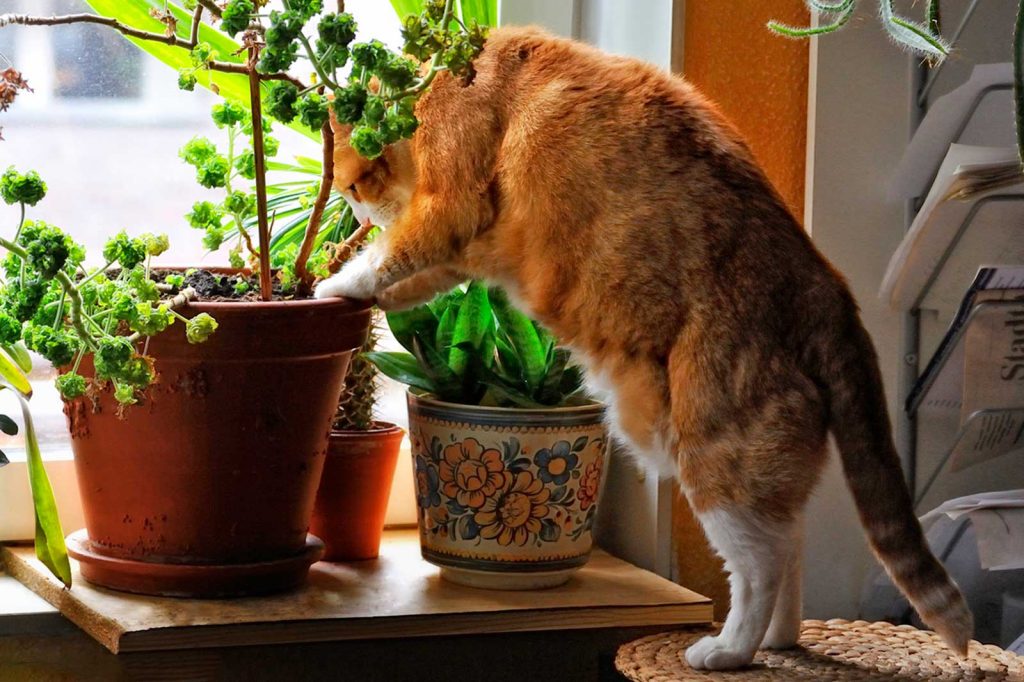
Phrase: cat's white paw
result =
(358, 279)
(714, 653)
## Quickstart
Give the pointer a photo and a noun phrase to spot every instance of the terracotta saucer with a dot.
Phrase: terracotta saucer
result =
(202, 581)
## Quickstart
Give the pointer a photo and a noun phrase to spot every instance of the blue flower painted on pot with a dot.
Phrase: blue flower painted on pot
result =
(556, 464)
(427, 484)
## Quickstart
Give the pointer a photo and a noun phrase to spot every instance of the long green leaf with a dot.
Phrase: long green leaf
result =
(14, 376)
(407, 324)
(506, 392)
(234, 86)
(20, 355)
(404, 8)
(446, 382)
(446, 328)
(485, 12)
(401, 367)
(549, 388)
(50, 547)
(471, 325)
(523, 337)
(508, 362)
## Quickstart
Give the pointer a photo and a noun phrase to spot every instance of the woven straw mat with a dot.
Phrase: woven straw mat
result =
(829, 650)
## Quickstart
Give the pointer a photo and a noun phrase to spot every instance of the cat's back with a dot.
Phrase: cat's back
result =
(552, 87)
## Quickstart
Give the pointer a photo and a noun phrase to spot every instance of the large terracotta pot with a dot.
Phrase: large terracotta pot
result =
(353, 497)
(206, 487)
(506, 497)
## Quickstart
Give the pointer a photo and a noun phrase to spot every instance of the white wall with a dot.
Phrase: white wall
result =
(859, 125)
(641, 28)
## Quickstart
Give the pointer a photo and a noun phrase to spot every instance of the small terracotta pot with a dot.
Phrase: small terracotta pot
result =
(506, 498)
(206, 487)
(354, 489)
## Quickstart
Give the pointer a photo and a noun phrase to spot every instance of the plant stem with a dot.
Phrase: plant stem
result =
(316, 216)
(316, 63)
(211, 7)
(172, 40)
(77, 309)
(344, 250)
(96, 274)
(435, 64)
(197, 16)
(78, 361)
(29, 20)
(60, 309)
(184, 296)
(21, 221)
(266, 288)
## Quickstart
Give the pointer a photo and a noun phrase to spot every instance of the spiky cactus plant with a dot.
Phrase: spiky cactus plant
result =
(359, 397)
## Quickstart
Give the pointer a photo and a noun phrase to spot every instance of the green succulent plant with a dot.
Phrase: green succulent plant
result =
(471, 346)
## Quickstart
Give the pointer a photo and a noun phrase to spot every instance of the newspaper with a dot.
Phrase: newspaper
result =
(998, 519)
(978, 370)
(979, 111)
(979, 190)
(994, 353)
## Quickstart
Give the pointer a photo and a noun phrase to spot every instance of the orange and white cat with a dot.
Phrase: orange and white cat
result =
(619, 209)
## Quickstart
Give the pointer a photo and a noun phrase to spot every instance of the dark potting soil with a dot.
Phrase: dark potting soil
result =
(217, 286)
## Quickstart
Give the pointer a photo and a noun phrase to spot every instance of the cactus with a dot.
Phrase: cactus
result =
(918, 38)
(359, 396)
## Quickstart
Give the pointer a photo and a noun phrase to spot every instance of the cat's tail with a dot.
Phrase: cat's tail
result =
(861, 428)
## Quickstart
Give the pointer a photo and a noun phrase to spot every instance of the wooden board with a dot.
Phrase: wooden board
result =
(398, 595)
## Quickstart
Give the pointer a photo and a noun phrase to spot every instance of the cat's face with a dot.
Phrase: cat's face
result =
(377, 190)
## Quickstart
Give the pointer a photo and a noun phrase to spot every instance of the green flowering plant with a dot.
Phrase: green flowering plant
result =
(380, 93)
(235, 214)
(55, 306)
(51, 303)
(376, 95)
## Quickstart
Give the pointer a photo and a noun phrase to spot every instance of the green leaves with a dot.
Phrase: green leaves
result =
(472, 323)
(49, 540)
(14, 376)
(235, 16)
(523, 338)
(50, 547)
(471, 346)
(26, 188)
(200, 327)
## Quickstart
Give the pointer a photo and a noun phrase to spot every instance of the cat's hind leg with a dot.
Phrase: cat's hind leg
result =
(784, 630)
(755, 550)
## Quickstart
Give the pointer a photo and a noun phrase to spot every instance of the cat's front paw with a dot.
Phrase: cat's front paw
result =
(715, 653)
(358, 279)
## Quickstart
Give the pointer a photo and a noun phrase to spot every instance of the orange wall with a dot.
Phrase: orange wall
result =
(759, 81)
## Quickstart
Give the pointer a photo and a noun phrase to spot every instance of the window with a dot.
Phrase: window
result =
(79, 47)
(106, 140)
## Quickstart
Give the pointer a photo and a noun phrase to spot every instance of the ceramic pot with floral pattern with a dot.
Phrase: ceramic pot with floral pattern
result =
(506, 498)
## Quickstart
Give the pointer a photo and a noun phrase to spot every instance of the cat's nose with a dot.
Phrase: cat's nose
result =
(360, 210)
